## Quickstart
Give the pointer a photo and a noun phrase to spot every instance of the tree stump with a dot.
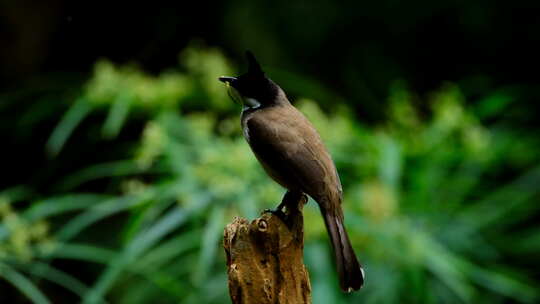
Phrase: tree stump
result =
(265, 258)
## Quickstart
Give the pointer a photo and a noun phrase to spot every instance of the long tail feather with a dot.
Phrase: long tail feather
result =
(351, 274)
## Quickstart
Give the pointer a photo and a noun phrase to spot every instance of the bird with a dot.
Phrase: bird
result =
(292, 153)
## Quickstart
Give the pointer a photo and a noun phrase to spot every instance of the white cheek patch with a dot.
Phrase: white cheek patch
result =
(252, 103)
(245, 129)
(246, 133)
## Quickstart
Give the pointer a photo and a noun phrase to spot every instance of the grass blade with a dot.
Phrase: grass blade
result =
(504, 284)
(98, 212)
(498, 205)
(133, 250)
(112, 169)
(73, 117)
(210, 239)
(117, 116)
(58, 205)
(23, 284)
(82, 252)
(59, 277)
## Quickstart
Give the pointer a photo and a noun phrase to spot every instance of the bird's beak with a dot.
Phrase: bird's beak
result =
(227, 79)
(233, 93)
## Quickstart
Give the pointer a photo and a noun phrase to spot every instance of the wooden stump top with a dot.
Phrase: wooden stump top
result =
(265, 259)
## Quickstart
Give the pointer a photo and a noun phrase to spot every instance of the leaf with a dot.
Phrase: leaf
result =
(117, 115)
(496, 206)
(504, 284)
(443, 264)
(142, 217)
(17, 193)
(527, 243)
(55, 206)
(112, 169)
(98, 212)
(73, 117)
(62, 204)
(210, 238)
(390, 162)
(59, 277)
(23, 284)
(168, 250)
(493, 104)
(81, 252)
(135, 248)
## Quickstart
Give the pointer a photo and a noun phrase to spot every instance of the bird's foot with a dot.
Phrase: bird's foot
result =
(288, 206)
(277, 212)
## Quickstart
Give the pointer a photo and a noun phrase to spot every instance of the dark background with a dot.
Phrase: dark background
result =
(426, 43)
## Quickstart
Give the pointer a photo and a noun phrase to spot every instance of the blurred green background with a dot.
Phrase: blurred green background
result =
(123, 158)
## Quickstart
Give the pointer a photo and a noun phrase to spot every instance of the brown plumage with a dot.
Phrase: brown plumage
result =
(293, 154)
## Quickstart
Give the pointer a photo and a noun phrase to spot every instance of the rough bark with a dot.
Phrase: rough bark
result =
(265, 259)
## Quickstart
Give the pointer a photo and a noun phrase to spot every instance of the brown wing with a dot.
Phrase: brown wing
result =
(292, 152)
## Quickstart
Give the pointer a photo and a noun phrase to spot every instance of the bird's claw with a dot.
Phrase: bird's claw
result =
(277, 212)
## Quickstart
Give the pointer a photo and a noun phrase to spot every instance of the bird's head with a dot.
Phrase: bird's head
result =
(253, 88)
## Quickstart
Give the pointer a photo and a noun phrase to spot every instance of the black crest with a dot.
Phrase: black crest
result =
(253, 65)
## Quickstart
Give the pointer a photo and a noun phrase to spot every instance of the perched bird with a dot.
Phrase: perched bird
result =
(292, 153)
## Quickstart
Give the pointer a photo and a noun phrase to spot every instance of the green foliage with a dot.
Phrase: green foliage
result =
(426, 213)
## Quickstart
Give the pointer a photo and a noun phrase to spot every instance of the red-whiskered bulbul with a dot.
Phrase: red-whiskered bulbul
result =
(292, 153)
